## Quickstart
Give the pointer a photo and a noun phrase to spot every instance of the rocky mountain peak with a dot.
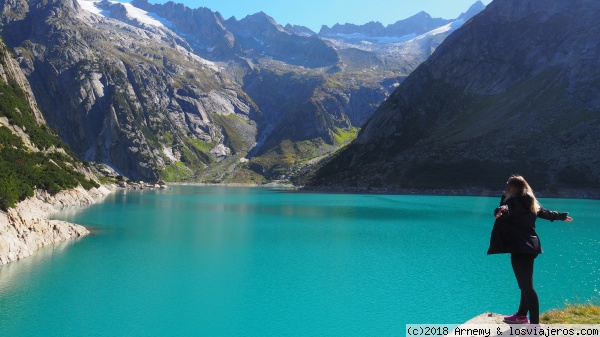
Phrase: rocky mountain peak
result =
(258, 24)
(420, 16)
(475, 9)
(299, 30)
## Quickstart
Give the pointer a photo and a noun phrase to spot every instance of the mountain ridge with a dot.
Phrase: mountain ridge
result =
(165, 91)
(507, 93)
(412, 26)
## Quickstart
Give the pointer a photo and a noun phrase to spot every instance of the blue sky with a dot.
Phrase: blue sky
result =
(314, 13)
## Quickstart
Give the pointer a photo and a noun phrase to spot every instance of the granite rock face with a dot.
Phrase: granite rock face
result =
(118, 90)
(26, 227)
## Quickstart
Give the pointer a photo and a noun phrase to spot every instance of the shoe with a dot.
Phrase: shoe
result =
(536, 330)
(516, 319)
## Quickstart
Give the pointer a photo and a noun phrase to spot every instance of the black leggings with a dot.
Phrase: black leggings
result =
(522, 265)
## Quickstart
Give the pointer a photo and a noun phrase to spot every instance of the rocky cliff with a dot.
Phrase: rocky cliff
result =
(38, 176)
(512, 91)
(125, 92)
(26, 228)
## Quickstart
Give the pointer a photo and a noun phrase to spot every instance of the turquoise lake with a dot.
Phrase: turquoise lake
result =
(236, 261)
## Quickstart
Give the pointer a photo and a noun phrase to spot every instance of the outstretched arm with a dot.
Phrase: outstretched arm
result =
(552, 215)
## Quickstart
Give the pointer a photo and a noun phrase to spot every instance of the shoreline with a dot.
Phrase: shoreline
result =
(27, 227)
(592, 194)
(464, 192)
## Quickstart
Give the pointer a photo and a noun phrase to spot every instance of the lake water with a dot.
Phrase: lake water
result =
(225, 261)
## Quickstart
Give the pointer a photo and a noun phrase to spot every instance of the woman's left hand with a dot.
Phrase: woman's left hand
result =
(568, 219)
(500, 210)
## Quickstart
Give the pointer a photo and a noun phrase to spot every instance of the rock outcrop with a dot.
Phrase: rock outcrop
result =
(35, 169)
(26, 227)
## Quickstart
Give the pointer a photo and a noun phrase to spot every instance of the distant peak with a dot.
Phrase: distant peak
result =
(472, 11)
(261, 19)
(140, 3)
(260, 14)
(422, 14)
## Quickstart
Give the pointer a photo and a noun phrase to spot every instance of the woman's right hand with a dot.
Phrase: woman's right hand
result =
(568, 219)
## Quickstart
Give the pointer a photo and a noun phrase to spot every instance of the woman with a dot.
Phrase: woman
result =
(514, 233)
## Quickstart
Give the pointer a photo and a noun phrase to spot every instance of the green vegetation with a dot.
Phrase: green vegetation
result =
(176, 172)
(342, 136)
(588, 313)
(276, 162)
(289, 157)
(229, 124)
(22, 170)
(167, 138)
(13, 106)
(200, 145)
(243, 175)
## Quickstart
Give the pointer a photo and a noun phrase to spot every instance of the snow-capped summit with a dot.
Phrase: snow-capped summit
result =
(105, 8)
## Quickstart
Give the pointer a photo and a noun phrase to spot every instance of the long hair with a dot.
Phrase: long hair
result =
(518, 186)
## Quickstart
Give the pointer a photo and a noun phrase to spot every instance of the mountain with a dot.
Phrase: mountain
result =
(299, 30)
(32, 156)
(400, 31)
(166, 91)
(415, 25)
(414, 38)
(123, 89)
(511, 91)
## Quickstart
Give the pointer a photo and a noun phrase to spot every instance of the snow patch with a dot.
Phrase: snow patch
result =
(90, 6)
(454, 25)
(133, 12)
(146, 17)
(373, 39)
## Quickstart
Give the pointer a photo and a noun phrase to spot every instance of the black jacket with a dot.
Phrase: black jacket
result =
(514, 231)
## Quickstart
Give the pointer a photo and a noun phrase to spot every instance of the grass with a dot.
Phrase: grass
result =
(587, 313)
(176, 172)
(342, 136)
(276, 162)
(245, 176)
(232, 138)
(200, 145)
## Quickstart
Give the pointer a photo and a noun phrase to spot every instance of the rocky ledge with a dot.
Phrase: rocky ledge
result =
(26, 227)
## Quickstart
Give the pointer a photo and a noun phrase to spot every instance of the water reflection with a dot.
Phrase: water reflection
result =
(13, 273)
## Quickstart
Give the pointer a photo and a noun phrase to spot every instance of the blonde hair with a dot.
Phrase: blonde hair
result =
(518, 186)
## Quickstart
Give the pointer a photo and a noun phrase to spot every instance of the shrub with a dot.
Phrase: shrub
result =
(23, 170)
